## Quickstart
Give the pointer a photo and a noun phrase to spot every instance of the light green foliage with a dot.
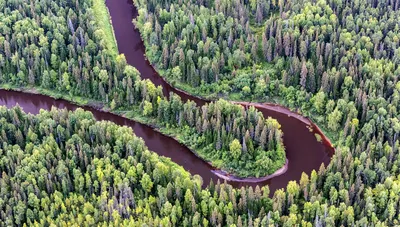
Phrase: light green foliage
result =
(176, 73)
(65, 82)
(146, 182)
(147, 108)
(236, 149)
(319, 102)
(334, 119)
(102, 16)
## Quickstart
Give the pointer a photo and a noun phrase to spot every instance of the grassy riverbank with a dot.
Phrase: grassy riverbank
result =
(88, 71)
(186, 136)
(103, 20)
(81, 101)
(237, 97)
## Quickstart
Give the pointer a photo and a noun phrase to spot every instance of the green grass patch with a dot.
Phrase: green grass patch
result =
(7, 86)
(103, 19)
(81, 101)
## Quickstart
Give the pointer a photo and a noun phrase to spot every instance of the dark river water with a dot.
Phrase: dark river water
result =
(303, 151)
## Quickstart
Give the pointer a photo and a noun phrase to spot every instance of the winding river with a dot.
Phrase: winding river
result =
(303, 150)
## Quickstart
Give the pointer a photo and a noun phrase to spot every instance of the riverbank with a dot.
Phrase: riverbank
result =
(200, 96)
(266, 106)
(289, 113)
(173, 133)
(226, 176)
(103, 19)
(302, 148)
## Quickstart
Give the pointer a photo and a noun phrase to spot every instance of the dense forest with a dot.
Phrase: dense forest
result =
(65, 168)
(56, 46)
(233, 138)
(337, 61)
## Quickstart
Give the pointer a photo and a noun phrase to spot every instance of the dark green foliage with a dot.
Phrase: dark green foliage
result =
(213, 127)
(336, 61)
(58, 47)
(208, 40)
(66, 168)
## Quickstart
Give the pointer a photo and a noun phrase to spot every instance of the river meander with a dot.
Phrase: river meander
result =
(303, 151)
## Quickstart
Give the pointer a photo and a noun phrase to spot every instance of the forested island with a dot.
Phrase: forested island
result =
(336, 62)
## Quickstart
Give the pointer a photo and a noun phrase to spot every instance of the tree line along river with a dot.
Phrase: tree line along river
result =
(303, 151)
